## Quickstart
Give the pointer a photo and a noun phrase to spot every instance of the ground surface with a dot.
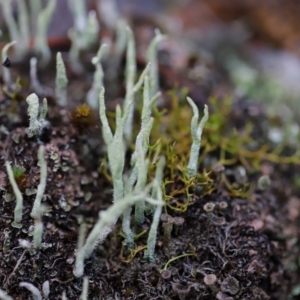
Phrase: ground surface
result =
(249, 241)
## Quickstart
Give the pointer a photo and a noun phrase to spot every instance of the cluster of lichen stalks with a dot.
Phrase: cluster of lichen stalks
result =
(128, 190)
(133, 189)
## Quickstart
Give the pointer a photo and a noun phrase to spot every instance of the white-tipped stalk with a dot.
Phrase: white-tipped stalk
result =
(36, 295)
(152, 58)
(196, 131)
(108, 12)
(91, 31)
(19, 197)
(43, 21)
(93, 94)
(34, 82)
(6, 72)
(78, 9)
(61, 81)
(139, 165)
(42, 185)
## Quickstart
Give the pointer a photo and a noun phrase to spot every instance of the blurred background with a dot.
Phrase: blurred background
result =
(248, 49)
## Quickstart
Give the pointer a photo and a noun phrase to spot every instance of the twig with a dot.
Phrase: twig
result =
(15, 268)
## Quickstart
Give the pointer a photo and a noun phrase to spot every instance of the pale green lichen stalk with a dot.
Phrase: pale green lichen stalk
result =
(35, 6)
(115, 145)
(35, 123)
(138, 162)
(157, 191)
(36, 295)
(12, 25)
(138, 176)
(142, 166)
(61, 81)
(84, 34)
(19, 197)
(131, 87)
(118, 50)
(37, 233)
(78, 9)
(93, 93)
(85, 289)
(38, 228)
(196, 131)
(34, 82)
(37, 209)
(116, 153)
(142, 138)
(5, 296)
(42, 185)
(43, 21)
(126, 218)
(121, 37)
(23, 24)
(152, 58)
(92, 29)
(106, 219)
(36, 18)
(108, 12)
